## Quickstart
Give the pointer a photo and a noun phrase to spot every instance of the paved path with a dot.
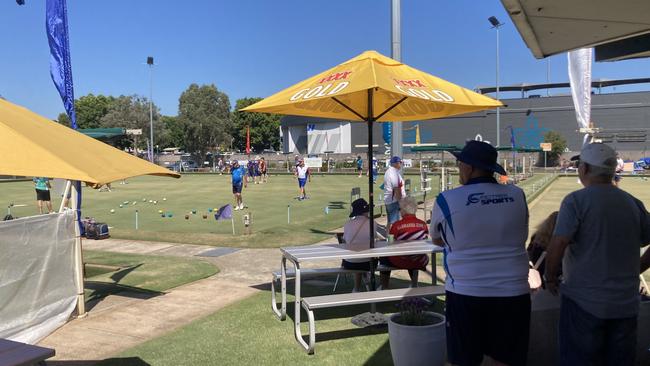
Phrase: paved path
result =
(124, 320)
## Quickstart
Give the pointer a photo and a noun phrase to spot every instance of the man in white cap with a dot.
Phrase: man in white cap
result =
(598, 234)
(394, 190)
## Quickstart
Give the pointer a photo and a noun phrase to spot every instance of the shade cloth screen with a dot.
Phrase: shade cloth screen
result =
(37, 288)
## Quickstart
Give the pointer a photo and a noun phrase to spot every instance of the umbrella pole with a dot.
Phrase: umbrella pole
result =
(371, 198)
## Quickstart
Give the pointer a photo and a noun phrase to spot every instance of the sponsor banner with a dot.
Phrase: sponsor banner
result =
(314, 162)
(406, 163)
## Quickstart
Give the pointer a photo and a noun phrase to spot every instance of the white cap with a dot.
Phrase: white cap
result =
(598, 154)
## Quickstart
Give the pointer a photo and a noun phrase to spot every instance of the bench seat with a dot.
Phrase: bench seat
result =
(358, 298)
(304, 273)
(327, 301)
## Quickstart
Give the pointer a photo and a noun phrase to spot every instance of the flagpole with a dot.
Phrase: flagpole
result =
(232, 221)
(56, 13)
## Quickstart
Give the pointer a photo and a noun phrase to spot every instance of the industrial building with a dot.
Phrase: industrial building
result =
(623, 120)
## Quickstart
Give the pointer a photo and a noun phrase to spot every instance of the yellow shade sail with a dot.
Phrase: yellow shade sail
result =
(398, 93)
(32, 145)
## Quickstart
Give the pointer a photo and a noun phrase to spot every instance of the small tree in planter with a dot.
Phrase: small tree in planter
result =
(417, 336)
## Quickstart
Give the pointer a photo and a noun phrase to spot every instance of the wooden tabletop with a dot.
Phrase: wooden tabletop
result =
(337, 251)
(22, 354)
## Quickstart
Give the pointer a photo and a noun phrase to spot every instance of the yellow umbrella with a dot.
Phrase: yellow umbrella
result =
(372, 87)
(398, 93)
(32, 145)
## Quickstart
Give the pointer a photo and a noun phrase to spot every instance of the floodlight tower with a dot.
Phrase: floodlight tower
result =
(396, 54)
(496, 25)
(151, 151)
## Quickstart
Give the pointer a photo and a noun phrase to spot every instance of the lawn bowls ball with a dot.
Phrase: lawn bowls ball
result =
(209, 210)
(112, 210)
(121, 206)
(205, 216)
(164, 198)
(193, 212)
(187, 217)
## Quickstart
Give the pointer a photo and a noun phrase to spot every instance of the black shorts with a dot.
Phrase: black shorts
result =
(359, 266)
(494, 326)
(236, 187)
(42, 195)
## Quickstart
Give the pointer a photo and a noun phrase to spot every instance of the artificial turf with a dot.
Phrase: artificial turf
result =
(310, 220)
(278, 219)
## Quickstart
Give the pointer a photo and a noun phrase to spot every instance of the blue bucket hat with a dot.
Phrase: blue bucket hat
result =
(480, 155)
(395, 159)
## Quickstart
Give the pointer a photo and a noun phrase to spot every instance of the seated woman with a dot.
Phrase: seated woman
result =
(408, 228)
(539, 242)
(356, 236)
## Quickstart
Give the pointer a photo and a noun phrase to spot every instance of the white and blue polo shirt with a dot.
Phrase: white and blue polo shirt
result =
(484, 226)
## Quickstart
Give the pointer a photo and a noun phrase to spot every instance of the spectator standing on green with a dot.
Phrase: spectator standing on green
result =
(43, 187)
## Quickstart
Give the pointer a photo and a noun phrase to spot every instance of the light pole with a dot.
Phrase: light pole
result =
(548, 75)
(150, 63)
(496, 25)
(396, 54)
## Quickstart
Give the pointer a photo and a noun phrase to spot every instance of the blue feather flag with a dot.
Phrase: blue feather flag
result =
(56, 23)
(56, 26)
(387, 132)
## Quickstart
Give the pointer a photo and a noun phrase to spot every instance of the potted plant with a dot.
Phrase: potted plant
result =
(417, 336)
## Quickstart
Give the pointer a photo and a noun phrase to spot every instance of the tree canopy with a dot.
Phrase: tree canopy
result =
(204, 114)
(558, 146)
(132, 112)
(204, 123)
(89, 109)
(265, 128)
(173, 134)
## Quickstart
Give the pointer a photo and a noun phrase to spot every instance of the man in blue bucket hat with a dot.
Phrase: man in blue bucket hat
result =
(483, 227)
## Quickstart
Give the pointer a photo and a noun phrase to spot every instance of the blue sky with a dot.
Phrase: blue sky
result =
(257, 47)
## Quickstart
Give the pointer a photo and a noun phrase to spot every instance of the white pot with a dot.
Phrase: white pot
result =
(418, 345)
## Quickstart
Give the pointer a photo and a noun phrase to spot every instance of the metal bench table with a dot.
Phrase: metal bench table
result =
(21, 354)
(314, 253)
